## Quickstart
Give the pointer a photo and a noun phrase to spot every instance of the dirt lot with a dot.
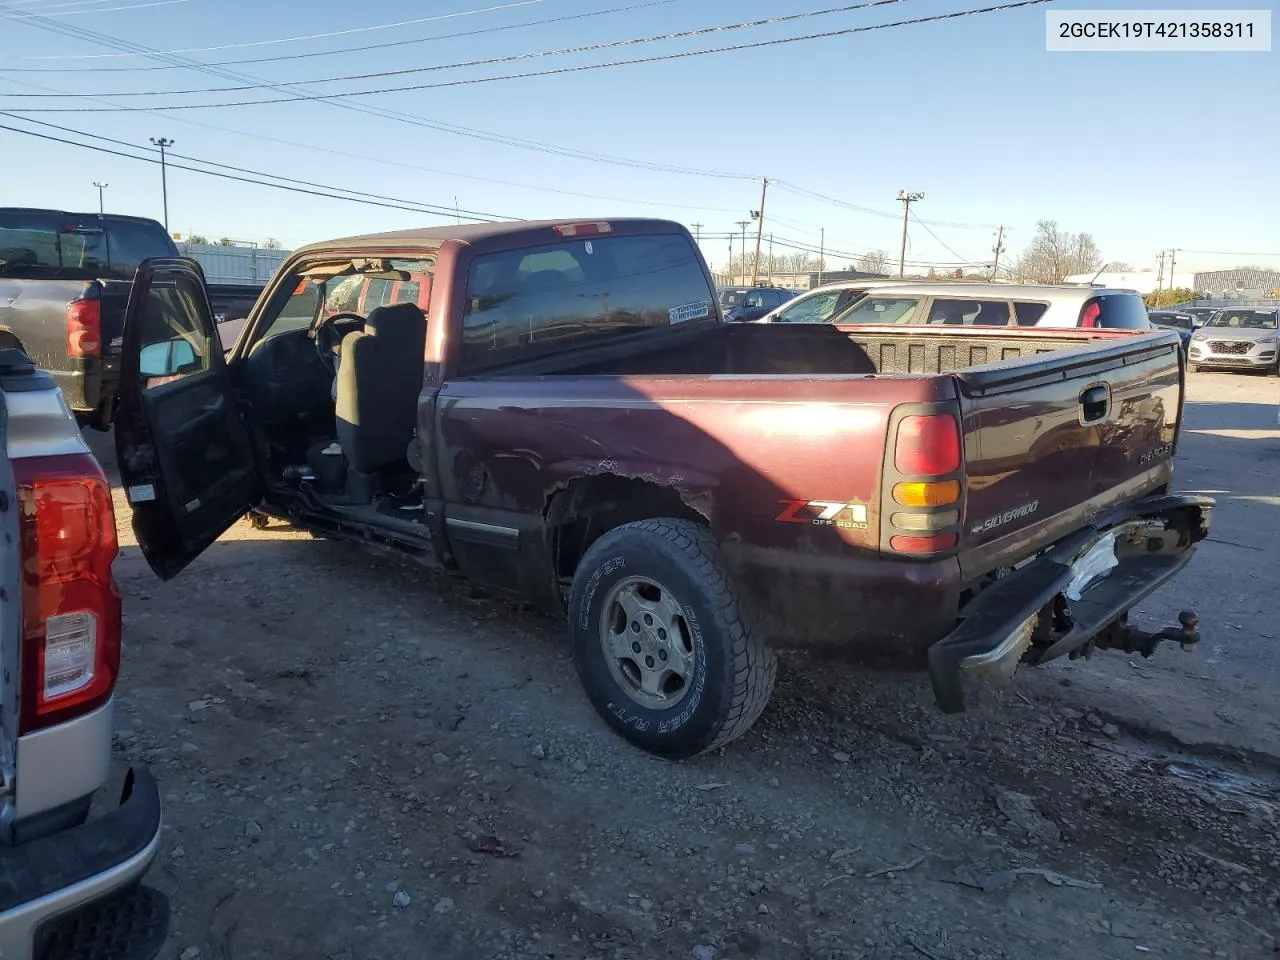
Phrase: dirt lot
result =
(361, 761)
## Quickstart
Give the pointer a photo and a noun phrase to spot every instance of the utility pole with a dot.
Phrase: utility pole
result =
(999, 249)
(1160, 276)
(728, 270)
(822, 252)
(163, 143)
(1173, 258)
(759, 215)
(697, 232)
(101, 186)
(771, 259)
(907, 198)
(742, 225)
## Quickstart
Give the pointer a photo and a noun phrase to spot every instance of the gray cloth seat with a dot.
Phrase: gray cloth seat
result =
(379, 381)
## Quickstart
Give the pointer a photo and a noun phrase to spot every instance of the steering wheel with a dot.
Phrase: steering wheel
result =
(330, 331)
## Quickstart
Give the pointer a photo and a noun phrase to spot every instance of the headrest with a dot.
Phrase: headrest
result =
(393, 316)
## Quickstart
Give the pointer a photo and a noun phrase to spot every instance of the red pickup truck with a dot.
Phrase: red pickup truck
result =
(571, 421)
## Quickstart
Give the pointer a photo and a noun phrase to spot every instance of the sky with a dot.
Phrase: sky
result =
(1145, 151)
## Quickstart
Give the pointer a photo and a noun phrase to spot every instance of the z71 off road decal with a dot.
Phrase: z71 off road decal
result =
(824, 513)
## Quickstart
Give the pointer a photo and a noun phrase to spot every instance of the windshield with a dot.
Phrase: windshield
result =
(316, 292)
(1245, 319)
(731, 298)
(42, 244)
(815, 308)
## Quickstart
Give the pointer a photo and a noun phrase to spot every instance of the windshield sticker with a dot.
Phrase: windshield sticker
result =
(690, 311)
(590, 249)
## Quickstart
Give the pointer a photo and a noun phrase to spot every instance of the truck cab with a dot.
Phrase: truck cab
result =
(558, 412)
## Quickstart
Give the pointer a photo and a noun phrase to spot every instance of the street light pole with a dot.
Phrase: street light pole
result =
(742, 225)
(162, 143)
(907, 200)
(759, 214)
(101, 186)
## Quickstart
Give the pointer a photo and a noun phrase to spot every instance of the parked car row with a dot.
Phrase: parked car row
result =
(965, 303)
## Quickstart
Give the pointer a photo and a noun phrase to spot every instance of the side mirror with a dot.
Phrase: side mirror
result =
(166, 359)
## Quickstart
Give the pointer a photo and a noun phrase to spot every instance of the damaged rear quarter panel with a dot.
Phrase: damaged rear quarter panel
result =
(786, 471)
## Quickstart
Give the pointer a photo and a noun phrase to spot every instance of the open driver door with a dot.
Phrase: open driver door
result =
(185, 459)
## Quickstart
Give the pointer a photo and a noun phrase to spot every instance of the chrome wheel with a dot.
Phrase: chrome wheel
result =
(647, 642)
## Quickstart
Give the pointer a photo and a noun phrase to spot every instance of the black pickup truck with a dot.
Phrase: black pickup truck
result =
(64, 284)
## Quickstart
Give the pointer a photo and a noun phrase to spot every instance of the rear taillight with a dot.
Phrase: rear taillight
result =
(84, 328)
(927, 460)
(927, 446)
(1089, 316)
(70, 602)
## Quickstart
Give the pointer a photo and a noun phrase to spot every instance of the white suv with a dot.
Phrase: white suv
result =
(976, 303)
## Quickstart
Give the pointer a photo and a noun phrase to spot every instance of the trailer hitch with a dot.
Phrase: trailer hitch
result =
(1129, 639)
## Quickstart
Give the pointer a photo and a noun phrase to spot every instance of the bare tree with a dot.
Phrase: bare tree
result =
(873, 261)
(271, 243)
(1055, 254)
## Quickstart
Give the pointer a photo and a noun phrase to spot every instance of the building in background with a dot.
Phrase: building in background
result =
(1240, 284)
(801, 281)
(234, 263)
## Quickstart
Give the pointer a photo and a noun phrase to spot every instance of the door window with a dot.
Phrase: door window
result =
(1029, 313)
(883, 310)
(175, 343)
(978, 313)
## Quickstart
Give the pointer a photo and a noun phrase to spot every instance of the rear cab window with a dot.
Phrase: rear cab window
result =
(48, 245)
(527, 303)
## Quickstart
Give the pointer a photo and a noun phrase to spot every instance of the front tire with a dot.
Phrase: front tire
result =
(660, 643)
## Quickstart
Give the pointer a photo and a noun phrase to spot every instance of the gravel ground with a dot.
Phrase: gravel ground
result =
(360, 760)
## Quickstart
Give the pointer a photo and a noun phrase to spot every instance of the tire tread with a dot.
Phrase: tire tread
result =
(754, 664)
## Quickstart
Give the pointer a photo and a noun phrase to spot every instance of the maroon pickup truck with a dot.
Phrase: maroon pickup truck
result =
(570, 421)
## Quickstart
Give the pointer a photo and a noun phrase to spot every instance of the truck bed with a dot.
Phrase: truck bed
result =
(777, 349)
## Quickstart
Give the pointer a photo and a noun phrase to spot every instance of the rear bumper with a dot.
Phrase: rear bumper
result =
(82, 885)
(90, 385)
(1007, 623)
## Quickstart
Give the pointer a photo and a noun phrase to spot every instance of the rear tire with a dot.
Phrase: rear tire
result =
(707, 678)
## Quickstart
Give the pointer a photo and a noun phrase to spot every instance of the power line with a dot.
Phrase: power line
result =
(814, 195)
(259, 43)
(512, 58)
(557, 71)
(92, 36)
(383, 160)
(132, 6)
(343, 51)
(937, 238)
(322, 190)
(1230, 253)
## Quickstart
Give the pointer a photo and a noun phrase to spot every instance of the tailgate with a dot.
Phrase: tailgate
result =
(1054, 439)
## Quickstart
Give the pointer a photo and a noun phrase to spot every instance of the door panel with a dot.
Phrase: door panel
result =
(184, 455)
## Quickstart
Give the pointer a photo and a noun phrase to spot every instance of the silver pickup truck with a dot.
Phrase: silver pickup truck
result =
(69, 884)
